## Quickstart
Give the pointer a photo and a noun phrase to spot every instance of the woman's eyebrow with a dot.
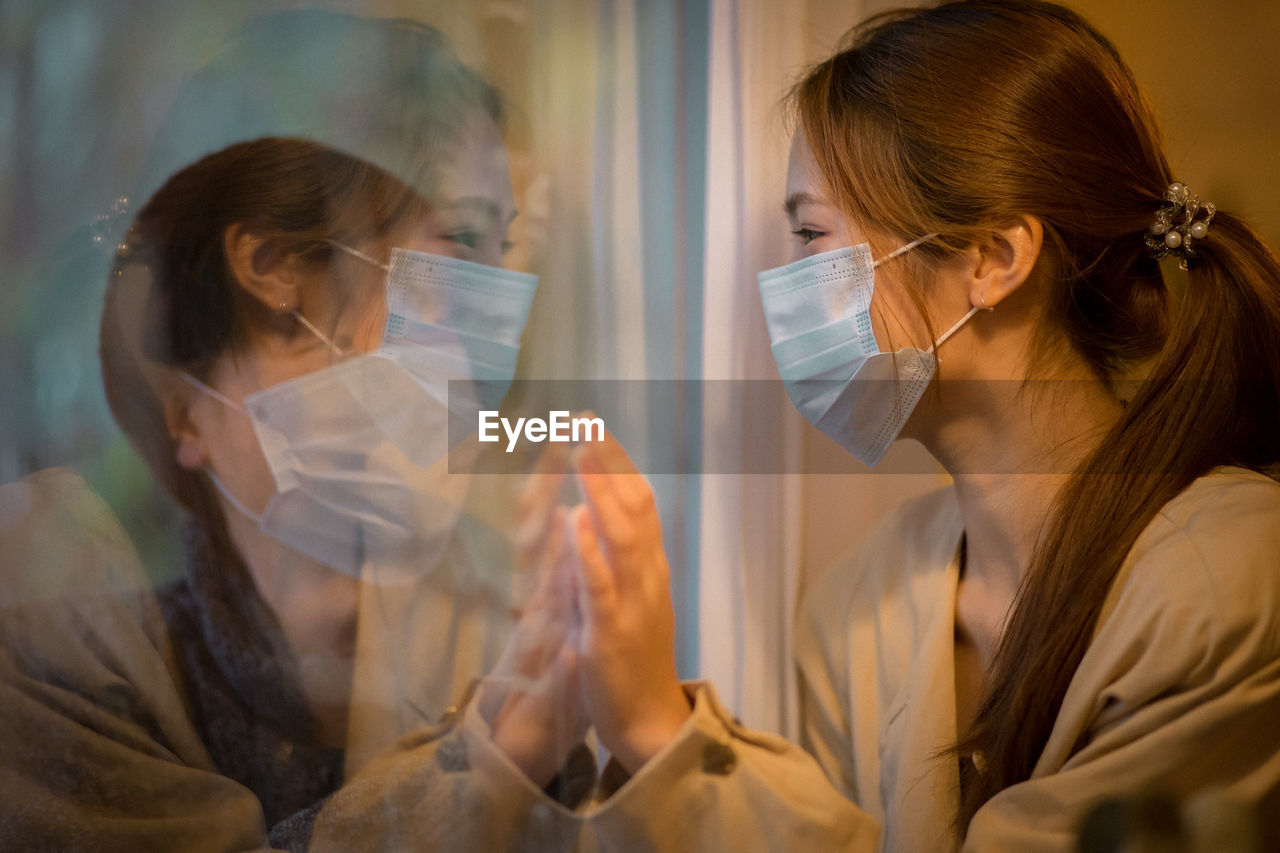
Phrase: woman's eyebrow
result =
(485, 206)
(796, 199)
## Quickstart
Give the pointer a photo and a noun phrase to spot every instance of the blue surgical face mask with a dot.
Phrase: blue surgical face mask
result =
(358, 448)
(819, 315)
(453, 319)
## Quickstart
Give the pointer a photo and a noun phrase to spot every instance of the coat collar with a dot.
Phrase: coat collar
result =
(920, 784)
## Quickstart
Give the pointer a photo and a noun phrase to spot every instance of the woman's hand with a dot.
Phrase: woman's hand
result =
(630, 688)
(538, 526)
(531, 700)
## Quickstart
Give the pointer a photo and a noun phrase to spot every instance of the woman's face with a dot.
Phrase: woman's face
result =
(345, 299)
(476, 205)
(818, 225)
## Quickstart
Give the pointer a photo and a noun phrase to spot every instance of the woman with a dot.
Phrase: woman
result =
(1090, 609)
(221, 711)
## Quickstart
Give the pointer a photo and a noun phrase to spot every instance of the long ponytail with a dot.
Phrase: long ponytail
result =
(1212, 398)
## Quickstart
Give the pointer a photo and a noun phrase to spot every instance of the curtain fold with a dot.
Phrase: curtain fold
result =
(749, 555)
(753, 527)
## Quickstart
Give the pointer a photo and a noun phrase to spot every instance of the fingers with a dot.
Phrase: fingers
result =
(550, 617)
(552, 552)
(625, 515)
(571, 725)
(561, 555)
(539, 538)
(544, 481)
(544, 591)
(540, 719)
(607, 457)
(610, 453)
(619, 497)
(557, 592)
(538, 644)
(536, 504)
(597, 593)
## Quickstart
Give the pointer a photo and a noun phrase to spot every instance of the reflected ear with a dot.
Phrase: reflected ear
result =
(190, 450)
(1004, 261)
(265, 271)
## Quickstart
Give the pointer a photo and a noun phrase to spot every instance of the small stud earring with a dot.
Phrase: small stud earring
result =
(982, 301)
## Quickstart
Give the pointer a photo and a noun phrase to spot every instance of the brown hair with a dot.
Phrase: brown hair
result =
(301, 158)
(172, 300)
(959, 118)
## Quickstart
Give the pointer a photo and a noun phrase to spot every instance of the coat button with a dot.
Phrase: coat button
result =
(718, 758)
(451, 755)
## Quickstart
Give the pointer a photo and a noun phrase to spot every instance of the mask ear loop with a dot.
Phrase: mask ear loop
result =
(949, 332)
(217, 482)
(356, 253)
(310, 327)
(955, 328)
(902, 250)
(214, 393)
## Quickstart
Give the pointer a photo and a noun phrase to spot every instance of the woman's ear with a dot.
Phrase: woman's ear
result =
(189, 448)
(1004, 261)
(264, 271)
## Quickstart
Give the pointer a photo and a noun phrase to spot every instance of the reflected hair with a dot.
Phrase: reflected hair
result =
(172, 299)
(958, 119)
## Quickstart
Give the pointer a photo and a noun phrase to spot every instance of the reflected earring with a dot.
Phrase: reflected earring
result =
(982, 301)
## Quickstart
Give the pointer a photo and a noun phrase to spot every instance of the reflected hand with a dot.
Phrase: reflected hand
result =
(531, 700)
(537, 522)
(630, 687)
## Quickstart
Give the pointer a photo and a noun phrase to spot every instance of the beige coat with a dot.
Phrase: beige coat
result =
(718, 788)
(98, 751)
(1180, 688)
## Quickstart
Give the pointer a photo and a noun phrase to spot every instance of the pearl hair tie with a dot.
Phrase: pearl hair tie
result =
(1168, 235)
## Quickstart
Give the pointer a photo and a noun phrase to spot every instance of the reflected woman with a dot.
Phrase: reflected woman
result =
(279, 327)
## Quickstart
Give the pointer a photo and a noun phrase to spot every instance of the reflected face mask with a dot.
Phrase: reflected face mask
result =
(819, 315)
(359, 449)
(453, 319)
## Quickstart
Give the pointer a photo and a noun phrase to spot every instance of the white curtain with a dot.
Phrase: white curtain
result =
(755, 529)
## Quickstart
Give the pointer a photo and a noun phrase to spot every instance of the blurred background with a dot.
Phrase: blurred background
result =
(648, 157)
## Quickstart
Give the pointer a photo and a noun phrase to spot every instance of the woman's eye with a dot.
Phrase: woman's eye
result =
(807, 235)
(466, 237)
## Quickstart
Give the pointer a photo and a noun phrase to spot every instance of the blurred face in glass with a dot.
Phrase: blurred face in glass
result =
(344, 298)
(476, 205)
